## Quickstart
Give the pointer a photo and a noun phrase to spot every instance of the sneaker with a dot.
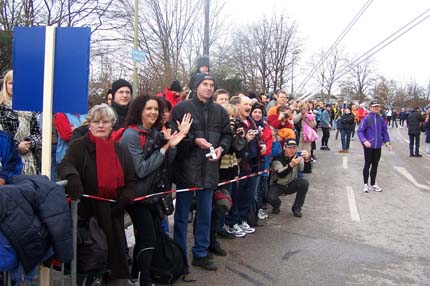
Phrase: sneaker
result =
(223, 233)
(418, 155)
(327, 149)
(352, 138)
(133, 282)
(261, 214)
(237, 231)
(246, 228)
(375, 188)
(366, 188)
(204, 262)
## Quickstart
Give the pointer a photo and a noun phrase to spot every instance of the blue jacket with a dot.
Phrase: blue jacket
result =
(34, 216)
(373, 129)
(10, 161)
(325, 119)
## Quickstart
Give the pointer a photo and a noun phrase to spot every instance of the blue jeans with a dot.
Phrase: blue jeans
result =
(345, 137)
(242, 198)
(203, 220)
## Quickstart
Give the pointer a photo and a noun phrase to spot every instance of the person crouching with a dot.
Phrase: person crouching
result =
(284, 180)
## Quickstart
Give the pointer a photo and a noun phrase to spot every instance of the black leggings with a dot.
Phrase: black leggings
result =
(325, 137)
(371, 158)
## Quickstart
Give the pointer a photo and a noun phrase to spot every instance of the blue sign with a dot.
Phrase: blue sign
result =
(138, 55)
(71, 69)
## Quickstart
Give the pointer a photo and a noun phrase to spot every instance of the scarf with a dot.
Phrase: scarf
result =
(110, 175)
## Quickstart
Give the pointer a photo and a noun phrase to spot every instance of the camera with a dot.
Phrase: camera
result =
(211, 154)
(254, 132)
(237, 123)
(299, 153)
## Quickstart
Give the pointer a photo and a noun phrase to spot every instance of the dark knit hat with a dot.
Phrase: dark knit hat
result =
(201, 77)
(118, 84)
(202, 61)
(175, 86)
(222, 199)
(257, 106)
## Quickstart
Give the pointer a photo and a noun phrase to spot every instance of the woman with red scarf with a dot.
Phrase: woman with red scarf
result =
(96, 165)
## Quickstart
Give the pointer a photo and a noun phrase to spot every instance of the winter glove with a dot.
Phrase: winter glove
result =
(74, 187)
(118, 208)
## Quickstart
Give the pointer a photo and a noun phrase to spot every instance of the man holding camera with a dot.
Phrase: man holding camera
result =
(284, 180)
(197, 164)
(243, 195)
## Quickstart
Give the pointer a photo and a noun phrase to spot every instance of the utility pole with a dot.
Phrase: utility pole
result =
(206, 35)
(136, 20)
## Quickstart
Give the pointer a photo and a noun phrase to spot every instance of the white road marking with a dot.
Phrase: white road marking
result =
(345, 162)
(355, 216)
(408, 176)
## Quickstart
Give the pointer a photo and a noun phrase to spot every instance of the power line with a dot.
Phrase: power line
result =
(335, 43)
(391, 38)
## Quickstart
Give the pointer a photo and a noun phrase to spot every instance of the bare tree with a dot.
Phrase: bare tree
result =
(327, 71)
(361, 73)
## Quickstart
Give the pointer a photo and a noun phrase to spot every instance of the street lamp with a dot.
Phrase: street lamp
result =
(292, 71)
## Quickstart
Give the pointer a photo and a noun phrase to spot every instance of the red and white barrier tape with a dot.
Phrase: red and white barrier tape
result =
(137, 199)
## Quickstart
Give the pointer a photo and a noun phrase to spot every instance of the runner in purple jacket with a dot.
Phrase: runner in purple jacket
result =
(373, 133)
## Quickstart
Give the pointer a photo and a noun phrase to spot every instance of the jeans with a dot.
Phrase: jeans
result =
(394, 122)
(263, 185)
(203, 220)
(345, 138)
(412, 138)
(299, 186)
(371, 159)
(242, 197)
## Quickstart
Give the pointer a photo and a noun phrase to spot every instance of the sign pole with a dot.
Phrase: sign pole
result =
(48, 86)
(136, 22)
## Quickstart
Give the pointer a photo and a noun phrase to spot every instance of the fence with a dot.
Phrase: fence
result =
(50, 276)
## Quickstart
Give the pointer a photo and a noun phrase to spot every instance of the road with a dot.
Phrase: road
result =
(345, 237)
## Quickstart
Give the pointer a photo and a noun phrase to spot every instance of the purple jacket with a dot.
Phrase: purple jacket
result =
(373, 129)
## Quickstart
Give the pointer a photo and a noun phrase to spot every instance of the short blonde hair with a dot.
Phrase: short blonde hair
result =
(102, 110)
(5, 97)
(231, 110)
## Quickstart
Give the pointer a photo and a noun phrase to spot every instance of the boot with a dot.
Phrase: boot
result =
(144, 259)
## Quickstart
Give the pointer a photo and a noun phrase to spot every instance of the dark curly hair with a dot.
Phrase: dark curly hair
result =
(134, 115)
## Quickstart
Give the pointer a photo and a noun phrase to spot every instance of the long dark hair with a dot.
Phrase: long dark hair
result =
(134, 115)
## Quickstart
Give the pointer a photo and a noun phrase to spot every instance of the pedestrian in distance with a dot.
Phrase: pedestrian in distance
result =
(415, 120)
(326, 126)
(373, 133)
(427, 129)
(347, 126)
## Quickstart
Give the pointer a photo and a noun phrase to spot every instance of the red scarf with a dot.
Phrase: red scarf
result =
(110, 175)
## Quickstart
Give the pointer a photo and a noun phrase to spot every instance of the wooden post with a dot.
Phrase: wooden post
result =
(48, 86)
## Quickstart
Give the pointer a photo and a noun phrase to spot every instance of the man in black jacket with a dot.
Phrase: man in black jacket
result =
(193, 168)
(414, 121)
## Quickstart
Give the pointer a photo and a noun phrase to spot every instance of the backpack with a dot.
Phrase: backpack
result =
(169, 261)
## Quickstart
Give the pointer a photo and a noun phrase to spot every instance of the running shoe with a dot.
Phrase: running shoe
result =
(262, 214)
(366, 188)
(375, 188)
(237, 231)
(246, 228)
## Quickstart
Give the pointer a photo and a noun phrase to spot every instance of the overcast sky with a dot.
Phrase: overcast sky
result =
(320, 22)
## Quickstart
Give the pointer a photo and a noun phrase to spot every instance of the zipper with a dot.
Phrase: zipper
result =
(376, 130)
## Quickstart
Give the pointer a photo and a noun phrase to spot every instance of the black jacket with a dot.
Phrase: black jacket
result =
(414, 121)
(210, 121)
(34, 216)
(347, 121)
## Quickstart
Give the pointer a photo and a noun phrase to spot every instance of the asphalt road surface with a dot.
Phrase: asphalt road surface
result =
(345, 237)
